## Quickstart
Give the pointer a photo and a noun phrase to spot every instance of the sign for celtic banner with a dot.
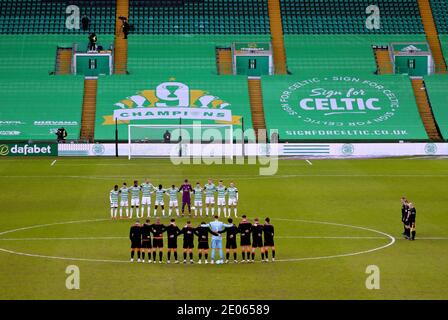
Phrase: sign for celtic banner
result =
(343, 107)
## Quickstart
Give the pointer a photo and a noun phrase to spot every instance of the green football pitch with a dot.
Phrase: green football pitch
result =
(333, 219)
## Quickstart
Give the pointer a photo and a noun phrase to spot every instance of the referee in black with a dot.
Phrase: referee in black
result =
(404, 212)
(412, 212)
(268, 233)
(135, 236)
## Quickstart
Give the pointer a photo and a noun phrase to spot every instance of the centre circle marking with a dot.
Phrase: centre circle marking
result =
(385, 236)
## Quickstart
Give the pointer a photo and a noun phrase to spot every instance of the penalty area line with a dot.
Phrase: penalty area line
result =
(53, 163)
(309, 162)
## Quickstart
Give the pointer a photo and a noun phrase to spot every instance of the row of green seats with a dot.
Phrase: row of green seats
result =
(436, 86)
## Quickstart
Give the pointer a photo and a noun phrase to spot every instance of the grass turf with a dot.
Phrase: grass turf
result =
(362, 193)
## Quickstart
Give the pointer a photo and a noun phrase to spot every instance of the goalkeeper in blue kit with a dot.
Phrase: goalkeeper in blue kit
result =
(216, 226)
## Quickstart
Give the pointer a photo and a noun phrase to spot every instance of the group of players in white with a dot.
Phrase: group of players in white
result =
(119, 199)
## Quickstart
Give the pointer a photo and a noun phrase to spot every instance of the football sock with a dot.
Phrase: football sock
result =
(206, 210)
(111, 213)
(213, 211)
(177, 211)
(143, 255)
(200, 256)
(227, 255)
(253, 255)
(169, 211)
(234, 256)
(267, 254)
(262, 256)
(273, 253)
(185, 256)
(225, 212)
(175, 255)
(169, 256)
(132, 254)
(138, 254)
(234, 211)
(206, 256)
(154, 255)
(243, 254)
(160, 255)
(191, 255)
(219, 211)
(413, 235)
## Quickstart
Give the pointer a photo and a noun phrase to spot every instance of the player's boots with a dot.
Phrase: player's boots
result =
(206, 261)
(176, 262)
(227, 261)
(200, 262)
(184, 262)
(132, 259)
(191, 261)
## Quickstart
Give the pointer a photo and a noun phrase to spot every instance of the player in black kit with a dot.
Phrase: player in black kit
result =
(172, 231)
(244, 228)
(257, 239)
(231, 240)
(136, 240)
(146, 240)
(157, 230)
(268, 233)
(202, 233)
(188, 245)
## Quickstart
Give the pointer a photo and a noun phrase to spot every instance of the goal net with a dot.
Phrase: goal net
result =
(148, 140)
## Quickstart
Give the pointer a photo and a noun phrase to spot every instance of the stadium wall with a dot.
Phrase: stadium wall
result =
(336, 150)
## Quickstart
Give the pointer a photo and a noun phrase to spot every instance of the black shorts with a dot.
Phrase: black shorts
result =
(136, 244)
(172, 243)
(203, 245)
(268, 242)
(157, 243)
(188, 245)
(231, 244)
(257, 243)
(146, 244)
(245, 242)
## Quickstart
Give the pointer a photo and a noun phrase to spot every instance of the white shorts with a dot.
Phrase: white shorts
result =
(232, 202)
(124, 203)
(114, 204)
(198, 203)
(174, 203)
(210, 200)
(146, 200)
(159, 203)
(221, 201)
(135, 202)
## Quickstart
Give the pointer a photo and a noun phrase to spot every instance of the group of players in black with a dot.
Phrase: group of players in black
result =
(147, 239)
(408, 214)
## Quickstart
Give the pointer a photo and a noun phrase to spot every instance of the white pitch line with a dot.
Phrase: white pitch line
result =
(309, 162)
(390, 243)
(52, 164)
(121, 238)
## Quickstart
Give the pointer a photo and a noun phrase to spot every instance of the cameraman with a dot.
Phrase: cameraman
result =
(61, 135)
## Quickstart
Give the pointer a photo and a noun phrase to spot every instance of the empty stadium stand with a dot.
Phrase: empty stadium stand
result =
(440, 9)
(348, 17)
(47, 17)
(200, 17)
(339, 53)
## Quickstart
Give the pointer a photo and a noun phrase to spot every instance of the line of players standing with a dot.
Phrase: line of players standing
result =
(146, 189)
(140, 236)
(408, 215)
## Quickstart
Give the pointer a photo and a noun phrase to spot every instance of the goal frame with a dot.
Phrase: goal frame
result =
(180, 126)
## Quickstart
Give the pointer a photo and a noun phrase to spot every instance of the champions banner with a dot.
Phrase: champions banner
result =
(335, 107)
(173, 113)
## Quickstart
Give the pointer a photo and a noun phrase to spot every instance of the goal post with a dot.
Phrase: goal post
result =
(148, 140)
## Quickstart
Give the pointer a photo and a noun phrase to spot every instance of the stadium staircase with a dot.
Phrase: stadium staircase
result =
(383, 63)
(63, 60)
(278, 45)
(432, 36)
(424, 108)
(89, 109)
(256, 105)
(224, 60)
(121, 45)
